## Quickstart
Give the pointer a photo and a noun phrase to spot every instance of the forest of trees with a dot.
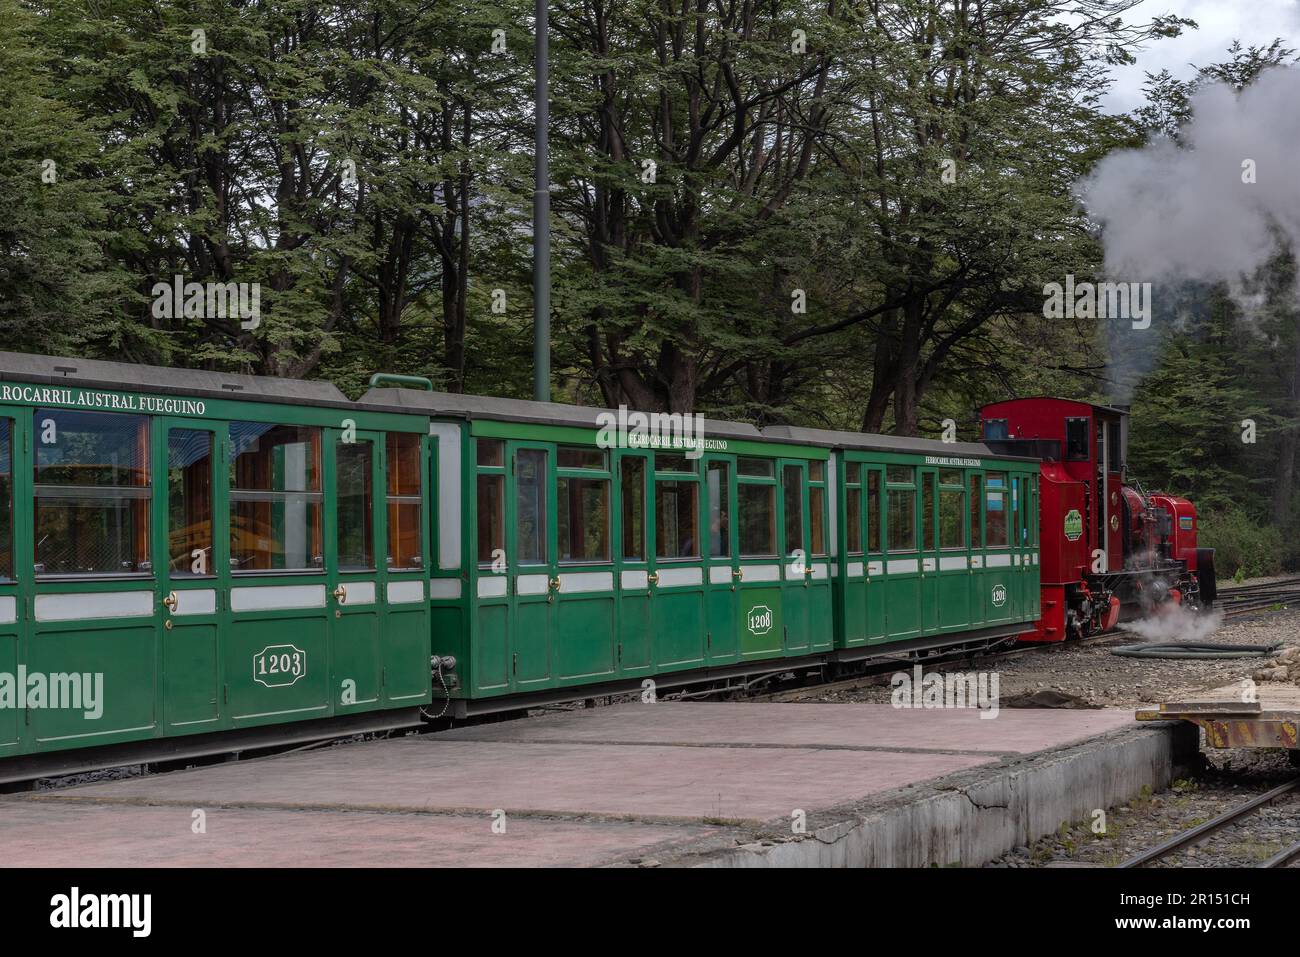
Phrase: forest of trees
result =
(837, 213)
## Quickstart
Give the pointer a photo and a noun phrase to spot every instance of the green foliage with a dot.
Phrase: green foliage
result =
(1243, 547)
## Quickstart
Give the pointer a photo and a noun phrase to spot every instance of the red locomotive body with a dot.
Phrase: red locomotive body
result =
(1107, 549)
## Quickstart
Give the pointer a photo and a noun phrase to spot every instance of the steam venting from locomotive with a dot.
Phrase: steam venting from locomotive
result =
(1214, 209)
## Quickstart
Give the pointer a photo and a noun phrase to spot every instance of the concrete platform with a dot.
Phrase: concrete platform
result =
(670, 783)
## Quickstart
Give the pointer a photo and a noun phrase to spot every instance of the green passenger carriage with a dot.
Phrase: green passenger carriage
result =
(569, 564)
(233, 560)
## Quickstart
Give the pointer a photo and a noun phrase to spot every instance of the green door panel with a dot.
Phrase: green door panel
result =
(277, 668)
(191, 692)
(587, 650)
(405, 643)
(634, 632)
(759, 623)
(492, 648)
(679, 627)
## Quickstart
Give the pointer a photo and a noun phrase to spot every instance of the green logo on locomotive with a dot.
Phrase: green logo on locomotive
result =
(1073, 525)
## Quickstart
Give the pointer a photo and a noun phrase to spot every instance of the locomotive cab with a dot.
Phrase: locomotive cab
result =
(1109, 550)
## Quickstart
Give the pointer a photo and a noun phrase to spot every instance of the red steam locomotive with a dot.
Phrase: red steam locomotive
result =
(1109, 550)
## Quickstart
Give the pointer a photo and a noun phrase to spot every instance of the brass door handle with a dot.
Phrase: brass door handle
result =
(341, 594)
(738, 573)
(653, 578)
(171, 601)
(555, 583)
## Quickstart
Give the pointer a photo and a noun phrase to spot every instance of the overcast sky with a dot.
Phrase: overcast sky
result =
(1253, 22)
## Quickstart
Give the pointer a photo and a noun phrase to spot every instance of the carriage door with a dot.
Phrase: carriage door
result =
(530, 503)
(796, 565)
(10, 604)
(721, 562)
(929, 587)
(355, 591)
(192, 523)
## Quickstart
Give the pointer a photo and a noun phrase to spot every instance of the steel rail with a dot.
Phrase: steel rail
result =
(1201, 831)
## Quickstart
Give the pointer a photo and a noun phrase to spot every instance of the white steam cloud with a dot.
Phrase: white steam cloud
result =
(1171, 213)
(1175, 623)
(1211, 210)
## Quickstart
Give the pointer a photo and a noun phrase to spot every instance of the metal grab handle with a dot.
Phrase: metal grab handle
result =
(653, 578)
(341, 594)
(555, 583)
(738, 573)
(171, 601)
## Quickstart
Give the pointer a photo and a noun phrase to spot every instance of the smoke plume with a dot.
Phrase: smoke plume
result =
(1214, 209)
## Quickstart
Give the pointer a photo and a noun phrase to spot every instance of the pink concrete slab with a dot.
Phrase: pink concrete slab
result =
(622, 781)
(843, 725)
(105, 835)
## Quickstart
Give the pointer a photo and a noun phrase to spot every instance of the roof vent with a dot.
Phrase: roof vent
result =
(232, 387)
(66, 370)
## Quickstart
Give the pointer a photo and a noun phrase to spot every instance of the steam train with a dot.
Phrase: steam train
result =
(1109, 550)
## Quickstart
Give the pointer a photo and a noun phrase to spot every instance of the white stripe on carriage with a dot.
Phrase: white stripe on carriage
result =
(196, 601)
(359, 593)
(8, 610)
(855, 569)
(949, 562)
(997, 561)
(819, 571)
(586, 581)
(532, 584)
(492, 586)
(719, 574)
(875, 568)
(442, 589)
(670, 577)
(83, 607)
(276, 597)
(902, 566)
(635, 578)
(762, 573)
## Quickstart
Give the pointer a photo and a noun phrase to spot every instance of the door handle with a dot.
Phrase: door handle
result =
(555, 583)
(171, 601)
(341, 595)
(738, 574)
(653, 578)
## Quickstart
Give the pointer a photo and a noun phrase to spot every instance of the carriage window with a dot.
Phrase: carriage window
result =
(676, 517)
(792, 499)
(91, 493)
(995, 510)
(873, 511)
(757, 468)
(354, 508)
(927, 512)
(976, 540)
(853, 519)
(530, 506)
(952, 517)
(491, 517)
(632, 487)
(583, 519)
(719, 510)
(189, 502)
(901, 474)
(491, 452)
(6, 501)
(275, 497)
(757, 504)
(817, 471)
(576, 457)
(816, 508)
(673, 462)
(403, 498)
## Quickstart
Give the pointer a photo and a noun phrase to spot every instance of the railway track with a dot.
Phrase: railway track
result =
(1235, 815)
(1242, 599)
